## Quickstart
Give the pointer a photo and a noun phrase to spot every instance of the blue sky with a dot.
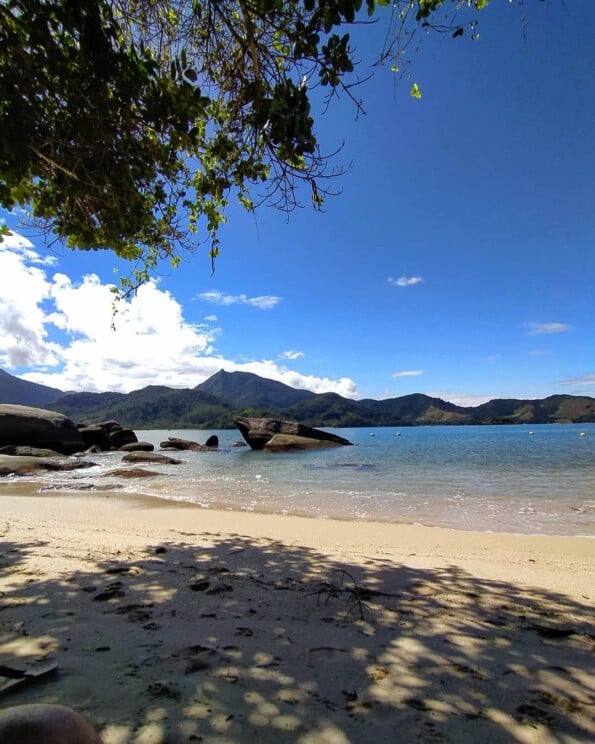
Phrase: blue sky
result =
(459, 260)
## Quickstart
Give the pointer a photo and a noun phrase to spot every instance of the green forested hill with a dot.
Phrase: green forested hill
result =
(153, 407)
(214, 403)
(420, 409)
(24, 393)
(557, 408)
(243, 389)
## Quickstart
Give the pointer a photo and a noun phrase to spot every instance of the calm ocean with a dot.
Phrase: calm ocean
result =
(518, 479)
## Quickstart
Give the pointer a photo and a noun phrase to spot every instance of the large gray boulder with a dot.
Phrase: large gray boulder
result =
(175, 443)
(137, 447)
(107, 435)
(94, 435)
(131, 473)
(154, 457)
(291, 443)
(258, 432)
(23, 465)
(26, 451)
(120, 437)
(36, 427)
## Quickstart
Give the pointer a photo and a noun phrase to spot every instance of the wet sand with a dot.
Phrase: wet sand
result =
(171, 623)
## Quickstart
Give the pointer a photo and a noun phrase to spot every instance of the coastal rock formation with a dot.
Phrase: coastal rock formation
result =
(259, 432)
(94, 435)
(150, 457)
(27, 451)
(22, 465)
(36, 427)
(120, 436)
(175, 443)
(291, 443)
(107, 435)
(137, 447)
(131, 473)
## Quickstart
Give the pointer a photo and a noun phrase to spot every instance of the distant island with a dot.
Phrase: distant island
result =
(214, 403)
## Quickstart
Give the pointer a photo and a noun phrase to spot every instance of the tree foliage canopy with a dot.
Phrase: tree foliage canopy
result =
(128, 125)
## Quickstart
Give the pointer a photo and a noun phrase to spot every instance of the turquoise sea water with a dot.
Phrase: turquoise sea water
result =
(517, 479)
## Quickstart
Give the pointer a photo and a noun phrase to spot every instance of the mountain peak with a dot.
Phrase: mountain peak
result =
(247, 390)
(22, 392)
(214, 403)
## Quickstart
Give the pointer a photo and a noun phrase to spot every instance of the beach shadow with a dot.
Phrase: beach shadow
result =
(224, 638)
(13, 554)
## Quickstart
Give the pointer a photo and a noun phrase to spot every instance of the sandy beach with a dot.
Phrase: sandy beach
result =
(170, 623)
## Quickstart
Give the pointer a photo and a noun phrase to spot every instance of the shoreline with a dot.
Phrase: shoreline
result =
(335, 537)
(32, 489)
(173, 623)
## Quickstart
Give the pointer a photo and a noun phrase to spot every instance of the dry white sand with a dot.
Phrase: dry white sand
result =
(177, 624)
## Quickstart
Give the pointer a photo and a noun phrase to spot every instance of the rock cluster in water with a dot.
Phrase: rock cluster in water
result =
(33, 439)
(38, 428)
(274, 435)
(175, 443)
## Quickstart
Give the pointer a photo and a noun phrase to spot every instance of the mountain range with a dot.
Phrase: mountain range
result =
(214, 403)
(25, 393)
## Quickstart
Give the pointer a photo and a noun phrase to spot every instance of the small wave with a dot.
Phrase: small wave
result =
(73, 486)
(342, 466)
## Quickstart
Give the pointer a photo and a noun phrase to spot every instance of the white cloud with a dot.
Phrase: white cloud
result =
(292, 355)
(23, 289)
(150, 344)
(25, 249)
(62, 330)
(405, 281)
(537, 329)
(265, 302)
(343, 386)
(463, 399)
(211, 318)
(408, 373)
(581, 381)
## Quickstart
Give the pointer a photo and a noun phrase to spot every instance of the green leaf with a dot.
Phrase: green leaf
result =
(107, 138)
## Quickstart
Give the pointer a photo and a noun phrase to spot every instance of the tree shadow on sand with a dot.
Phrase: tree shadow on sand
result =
(224, 638)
